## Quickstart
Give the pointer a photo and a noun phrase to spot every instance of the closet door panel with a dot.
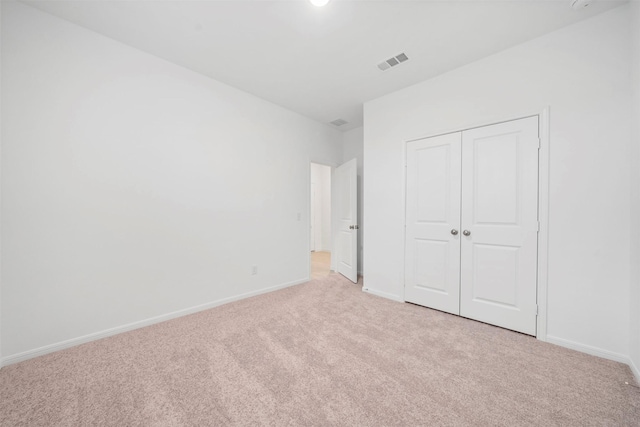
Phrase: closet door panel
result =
(432, 252)
(500, 224)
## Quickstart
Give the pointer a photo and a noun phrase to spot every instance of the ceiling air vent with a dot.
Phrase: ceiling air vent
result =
(338, 122)
(392, 62)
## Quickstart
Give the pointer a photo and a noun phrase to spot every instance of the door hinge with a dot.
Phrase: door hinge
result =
(536, 309)
(538, 226)
(539, 144)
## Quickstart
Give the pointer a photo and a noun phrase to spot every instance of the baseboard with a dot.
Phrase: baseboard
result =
(41, 351)
(594, 351)
(635, 370)
(382, 294)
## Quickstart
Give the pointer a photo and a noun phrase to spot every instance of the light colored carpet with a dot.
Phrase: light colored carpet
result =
(320, 264)
(321, 353)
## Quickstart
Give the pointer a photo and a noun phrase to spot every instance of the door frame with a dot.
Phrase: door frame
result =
(308, 217)
(543, 205)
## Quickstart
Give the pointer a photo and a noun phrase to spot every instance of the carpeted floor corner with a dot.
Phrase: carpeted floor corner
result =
(317, 354)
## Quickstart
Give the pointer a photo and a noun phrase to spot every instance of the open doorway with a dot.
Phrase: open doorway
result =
(320, 220)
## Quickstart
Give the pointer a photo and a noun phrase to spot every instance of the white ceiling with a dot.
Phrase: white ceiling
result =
(321, 62)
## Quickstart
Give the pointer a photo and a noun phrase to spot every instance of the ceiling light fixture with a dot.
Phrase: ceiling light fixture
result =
(319, 3)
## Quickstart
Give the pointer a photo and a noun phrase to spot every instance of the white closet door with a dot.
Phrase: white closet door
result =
(432, 252)
(499, 224)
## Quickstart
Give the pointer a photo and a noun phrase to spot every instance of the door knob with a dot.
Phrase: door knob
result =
(454, 231)
(351, 227)
(466, 232)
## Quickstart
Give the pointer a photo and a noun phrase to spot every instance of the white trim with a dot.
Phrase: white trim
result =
(386, 295)
(634, 370)
(543, 222)
(29, 354)
(476, 125)
(594, 351)
(403, 270)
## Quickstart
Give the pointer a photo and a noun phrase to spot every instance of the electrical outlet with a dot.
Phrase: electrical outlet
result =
(254, 270)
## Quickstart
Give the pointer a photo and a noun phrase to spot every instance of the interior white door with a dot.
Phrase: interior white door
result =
(500, 224)
(346, 178)
(312, 220)
(432, 239)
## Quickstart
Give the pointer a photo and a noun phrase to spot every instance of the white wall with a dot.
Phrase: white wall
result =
(582, 73)
(635, 195)
(353, 148)
(133, 188)
(321, 205)
(1, 131)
